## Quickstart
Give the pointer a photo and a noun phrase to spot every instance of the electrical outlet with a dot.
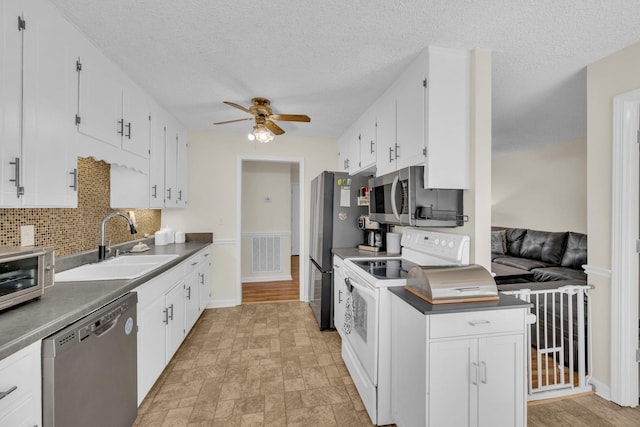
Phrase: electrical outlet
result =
(27, 235)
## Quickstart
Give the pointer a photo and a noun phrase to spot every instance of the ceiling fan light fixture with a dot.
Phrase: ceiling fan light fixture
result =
(262, 134)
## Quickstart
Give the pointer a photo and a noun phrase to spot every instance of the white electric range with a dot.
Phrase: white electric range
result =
(366, 327)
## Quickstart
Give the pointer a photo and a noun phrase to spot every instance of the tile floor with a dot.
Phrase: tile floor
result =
(256, 365)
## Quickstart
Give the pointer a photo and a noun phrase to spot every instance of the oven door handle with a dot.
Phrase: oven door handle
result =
(394, 187)
(361, 288)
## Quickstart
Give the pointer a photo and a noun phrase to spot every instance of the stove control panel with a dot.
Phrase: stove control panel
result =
(451, 246)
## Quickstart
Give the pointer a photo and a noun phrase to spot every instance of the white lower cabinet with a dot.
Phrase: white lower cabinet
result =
(165, 316)
(458, 369)
(204, 279)
(21, 388)
(339, 294)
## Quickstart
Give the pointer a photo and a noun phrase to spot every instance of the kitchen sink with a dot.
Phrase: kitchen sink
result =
(124, 267)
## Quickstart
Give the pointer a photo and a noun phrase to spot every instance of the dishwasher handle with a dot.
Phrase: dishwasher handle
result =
(106, 327)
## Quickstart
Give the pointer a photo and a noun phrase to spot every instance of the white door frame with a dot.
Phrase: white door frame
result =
(277, 159)
(624, 259)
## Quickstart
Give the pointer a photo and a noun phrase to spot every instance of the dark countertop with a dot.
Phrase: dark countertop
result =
(426, 308)
(67, 302)
(345, 253)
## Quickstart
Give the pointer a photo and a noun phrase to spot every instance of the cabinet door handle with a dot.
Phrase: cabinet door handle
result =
(154, 194)
(396, 155)
(165, 313)
(474, 373)
(8, 392)
(179, 194)
(168, 194)
(479, 322)
(201, 278)
(189, 292)
(483, 372)
(371, 146)
(390, 154)
(339, 296)
(129, 130)
(171, 315)
(121, 126)
(16, 177)
(75, 180)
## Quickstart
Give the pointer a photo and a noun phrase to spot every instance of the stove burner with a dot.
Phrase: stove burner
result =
(387, 269)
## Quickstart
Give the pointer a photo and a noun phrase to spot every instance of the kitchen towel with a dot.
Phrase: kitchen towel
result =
(348, 314)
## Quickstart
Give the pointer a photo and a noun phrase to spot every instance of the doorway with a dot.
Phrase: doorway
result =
(270, 238)
(625, 230)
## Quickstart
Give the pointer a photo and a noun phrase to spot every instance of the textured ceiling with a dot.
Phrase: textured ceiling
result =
(331, 59)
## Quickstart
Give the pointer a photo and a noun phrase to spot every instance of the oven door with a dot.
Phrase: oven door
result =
(361, 323)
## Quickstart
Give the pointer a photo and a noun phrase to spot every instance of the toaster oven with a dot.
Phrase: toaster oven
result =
(25, 273)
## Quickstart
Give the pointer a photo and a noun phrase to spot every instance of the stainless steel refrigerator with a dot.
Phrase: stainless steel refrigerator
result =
(334, 224)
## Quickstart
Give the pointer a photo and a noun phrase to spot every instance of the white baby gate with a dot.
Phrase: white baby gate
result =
(560, 341)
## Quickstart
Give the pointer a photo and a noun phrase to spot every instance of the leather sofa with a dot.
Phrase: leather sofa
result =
(555, 260)
(550, 256)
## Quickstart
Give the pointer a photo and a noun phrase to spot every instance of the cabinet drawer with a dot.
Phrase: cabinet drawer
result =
(22, 371)
(191, 264)
(476, 323)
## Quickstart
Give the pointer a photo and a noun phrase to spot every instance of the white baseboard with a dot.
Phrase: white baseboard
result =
(253, 279)
(220, 303)
(601, 388)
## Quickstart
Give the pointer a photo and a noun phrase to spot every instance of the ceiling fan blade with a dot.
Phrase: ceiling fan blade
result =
(273, 127)
(233, 121)
(240, 107)
(290, 117)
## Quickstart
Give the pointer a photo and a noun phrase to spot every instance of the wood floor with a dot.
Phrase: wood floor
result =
(288, 290)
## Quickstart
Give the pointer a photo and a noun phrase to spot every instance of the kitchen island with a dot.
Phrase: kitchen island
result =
(458, 364)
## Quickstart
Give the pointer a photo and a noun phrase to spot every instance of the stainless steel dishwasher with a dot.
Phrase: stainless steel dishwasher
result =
(89, 369)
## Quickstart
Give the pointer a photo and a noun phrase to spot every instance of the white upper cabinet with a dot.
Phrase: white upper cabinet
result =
(171, 164)
(447, 119)
(385, 108)
(410, 114)
(182, 163)
(423, 118)
(136, 118)
(156, 159)
(367, 140)
(432, 118)
(38, 155)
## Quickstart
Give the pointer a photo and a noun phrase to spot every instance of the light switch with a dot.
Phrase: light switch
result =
(27, 235)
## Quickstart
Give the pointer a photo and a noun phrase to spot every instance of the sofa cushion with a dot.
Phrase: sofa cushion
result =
(514, 240)
(523, 263)
(498, 242)
(575, 254)
(544, 246)
(549, 274)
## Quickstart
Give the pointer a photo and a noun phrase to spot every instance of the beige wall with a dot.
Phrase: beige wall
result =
(213, 161)
(262, 180)
(543, 189)
(611, 76)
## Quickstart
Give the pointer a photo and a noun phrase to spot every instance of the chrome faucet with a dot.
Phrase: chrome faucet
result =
(102, 249)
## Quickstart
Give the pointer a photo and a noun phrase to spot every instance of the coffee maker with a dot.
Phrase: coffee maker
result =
(373, 234)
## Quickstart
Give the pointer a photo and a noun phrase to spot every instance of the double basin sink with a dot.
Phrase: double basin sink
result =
(124, 267)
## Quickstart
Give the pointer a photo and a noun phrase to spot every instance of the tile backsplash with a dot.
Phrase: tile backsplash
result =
(76, 230)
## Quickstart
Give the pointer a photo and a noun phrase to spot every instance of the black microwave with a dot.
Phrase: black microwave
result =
(400, 198)
(25, 273)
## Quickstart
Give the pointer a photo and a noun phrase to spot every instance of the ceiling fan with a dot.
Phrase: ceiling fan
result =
(265, 128)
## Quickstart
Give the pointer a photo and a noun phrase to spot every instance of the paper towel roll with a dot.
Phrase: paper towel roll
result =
(393, 243)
